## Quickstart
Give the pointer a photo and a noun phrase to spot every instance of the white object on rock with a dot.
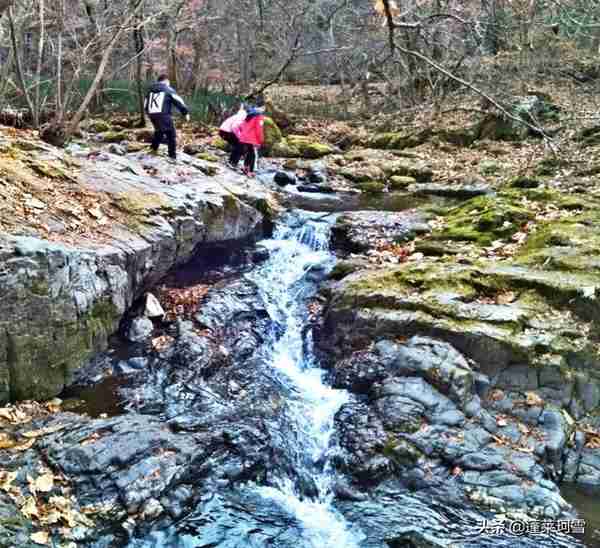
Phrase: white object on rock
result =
(153, 308)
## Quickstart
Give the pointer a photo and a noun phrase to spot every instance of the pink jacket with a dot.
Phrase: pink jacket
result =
(234, 121)
(251, 132)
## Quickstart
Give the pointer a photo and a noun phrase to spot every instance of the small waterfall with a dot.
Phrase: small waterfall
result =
(295, 252)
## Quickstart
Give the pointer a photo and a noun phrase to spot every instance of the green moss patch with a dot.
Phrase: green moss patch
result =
(484, 220)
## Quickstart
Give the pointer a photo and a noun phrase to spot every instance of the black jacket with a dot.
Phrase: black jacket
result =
(161, 98)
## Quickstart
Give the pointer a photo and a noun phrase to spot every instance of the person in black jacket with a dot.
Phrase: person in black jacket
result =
(159, 103)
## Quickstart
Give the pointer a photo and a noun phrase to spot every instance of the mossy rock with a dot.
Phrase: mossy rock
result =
(460, 137)
(299, 146)
(345, 268)
(273, 134)
(489, 167)
(373, 187)
(114, 136)
(404, 168)
(401, 451)
(362, 174)
(136, 147)
(141, 203)
(220, 144)
(400, 182)
(99, 126)
(207, 157)
(49, 169)
(524, 181)
(398, 141)
(309, 149)
(484, 220)
(549, 166)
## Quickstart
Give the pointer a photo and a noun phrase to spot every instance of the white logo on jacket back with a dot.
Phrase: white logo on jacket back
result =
(155, 102)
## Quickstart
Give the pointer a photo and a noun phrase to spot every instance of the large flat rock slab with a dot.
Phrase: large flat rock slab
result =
(116, 225)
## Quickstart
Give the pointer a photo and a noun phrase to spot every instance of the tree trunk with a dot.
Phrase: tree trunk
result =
(74, 124)
(38, 72)
(60, 109)
(4, 5)
(138, 39)
(18, 67)
(172, 54)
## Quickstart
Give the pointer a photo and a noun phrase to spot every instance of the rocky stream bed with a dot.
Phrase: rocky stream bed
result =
(360, 372)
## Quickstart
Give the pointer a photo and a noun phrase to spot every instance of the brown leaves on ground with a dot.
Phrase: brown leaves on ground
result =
(181, 302)
(592, 437)
(47, 502)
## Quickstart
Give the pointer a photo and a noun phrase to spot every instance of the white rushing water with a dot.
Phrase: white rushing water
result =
(294, 253)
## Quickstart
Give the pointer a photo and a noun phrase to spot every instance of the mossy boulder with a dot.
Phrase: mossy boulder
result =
(299, 146)
(527, 112)
(220, 143)
(525, 181)
(273, 134)
(463, 305)
(99, 126)
(400, 140)
(114, 136)
(419, 171)
(460, 137)
(400, 182)
(362, 173)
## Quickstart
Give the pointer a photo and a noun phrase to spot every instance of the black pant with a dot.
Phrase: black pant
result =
(164, 132)
(237, 149)
(249, 157)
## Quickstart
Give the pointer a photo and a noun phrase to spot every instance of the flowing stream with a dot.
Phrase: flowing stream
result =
(294, 253)
(286, 284)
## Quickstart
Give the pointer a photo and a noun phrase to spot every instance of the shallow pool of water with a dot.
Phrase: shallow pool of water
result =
(587, 502)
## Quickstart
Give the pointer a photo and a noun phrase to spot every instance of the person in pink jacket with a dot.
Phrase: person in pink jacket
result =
(251, 136)
(227, 133)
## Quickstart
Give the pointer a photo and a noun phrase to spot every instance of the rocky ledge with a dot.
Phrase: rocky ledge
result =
(101, 229)
(486, 336)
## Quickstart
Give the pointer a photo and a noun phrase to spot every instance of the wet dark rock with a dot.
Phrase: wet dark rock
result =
(284, 178)
(140, 329)
(421, 411)
(260, 254)
(316, 176)
(315, 189)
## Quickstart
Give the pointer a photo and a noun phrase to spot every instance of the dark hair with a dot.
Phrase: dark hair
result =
(163, 77)
(260, 101)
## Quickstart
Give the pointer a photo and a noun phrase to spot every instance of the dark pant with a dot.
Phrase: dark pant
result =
(237, 149)
(249, 157)
(164, 132)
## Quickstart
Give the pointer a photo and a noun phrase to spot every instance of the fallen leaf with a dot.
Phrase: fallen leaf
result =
(41, 537)
(533, 399)
(29, 509)
(44, 483)
(506, 298)
(6, 442)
